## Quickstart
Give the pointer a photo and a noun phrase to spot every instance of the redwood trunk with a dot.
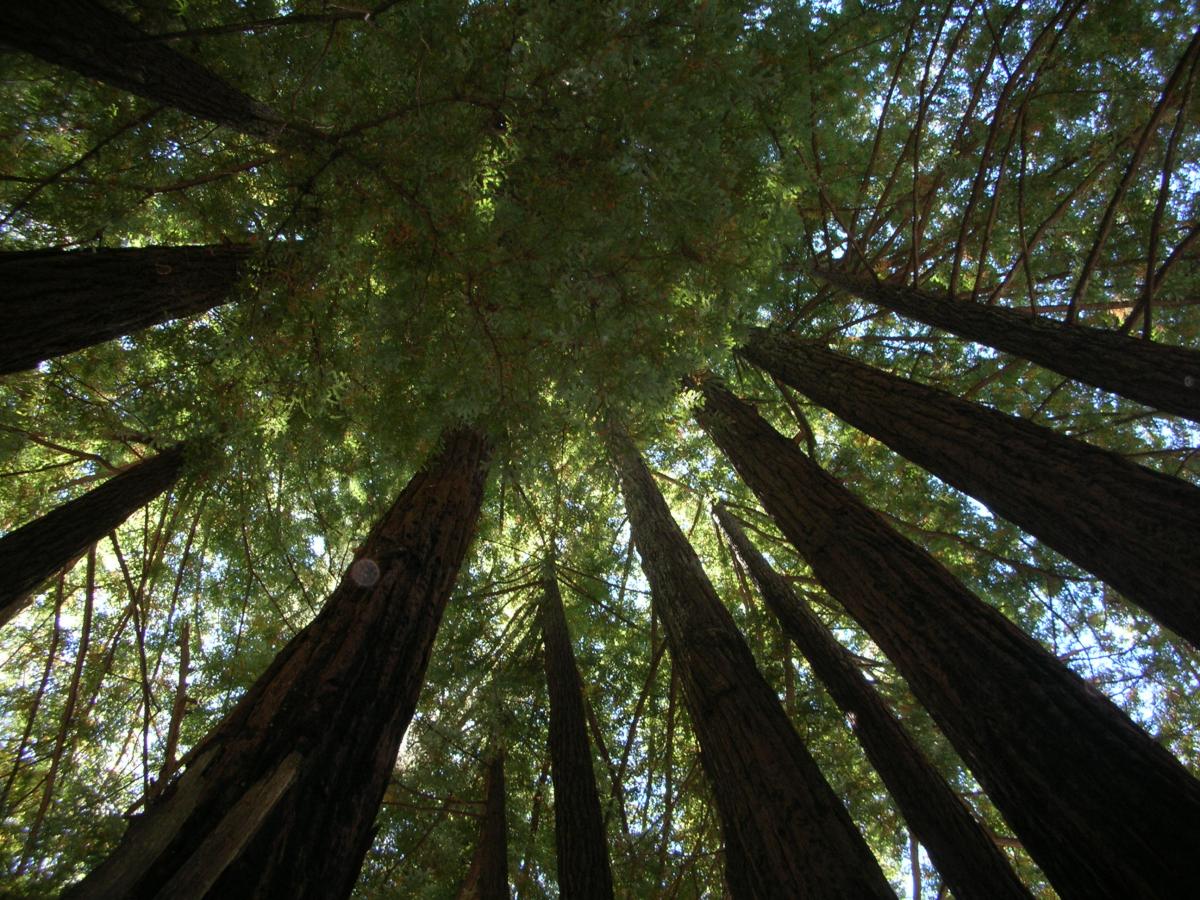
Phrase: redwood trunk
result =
(969, 861)
(1102, 808)
(84, 36)
(786, 833)
(45, 546)
(579, 837)
(1161, 376)
(57, 301)
(279, 800)
(487, 879)
(1133, 527)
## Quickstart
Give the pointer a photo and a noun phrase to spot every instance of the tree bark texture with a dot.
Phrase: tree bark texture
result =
(280, 798)
(1133, 527)
(786, 832)
(969, 861)
(59, 301)
(1164, 377)
(487, 878)
(579, 835)
(90, 39)
(1102, 808)
(39, 549)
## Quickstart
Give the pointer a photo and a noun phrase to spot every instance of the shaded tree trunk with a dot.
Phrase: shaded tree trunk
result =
(1133, 527)
(39, 549)
(1102, 808)
(487, 878)
(963, 852)
(786, 833)
(1164, 377)
(58, 301)
(579, 836)
(280, 798)
(84, 36)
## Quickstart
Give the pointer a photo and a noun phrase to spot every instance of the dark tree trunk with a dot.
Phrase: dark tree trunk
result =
(970, 862)
(39, 549)
(487, 879)
(1102, 808)
(280, 798)
(84, 36)
(55, 301)
(580, 841)
(1164, 377)
(786, 833)
(1133, 527)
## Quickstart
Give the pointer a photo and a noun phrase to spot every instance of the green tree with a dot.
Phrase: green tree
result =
(1020, 720)
(529, 215)
(579, 838)
(964, 853)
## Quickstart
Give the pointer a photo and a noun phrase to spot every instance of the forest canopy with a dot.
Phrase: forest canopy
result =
(560, 225)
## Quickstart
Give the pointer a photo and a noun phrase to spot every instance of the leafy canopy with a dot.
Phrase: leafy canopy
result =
(522, 214)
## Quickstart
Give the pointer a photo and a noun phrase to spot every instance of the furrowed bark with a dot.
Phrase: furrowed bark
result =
(59, 301)
(786, 833)
(1102, 808)
(1164, 377)
(966, 856)
(1133, 527)
(84, 36)
(279, 800)
(579, 836)
(39, 549)
(487, 878)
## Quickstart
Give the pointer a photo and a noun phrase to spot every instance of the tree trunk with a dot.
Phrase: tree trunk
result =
(1133, 527)
(786, 833)
(1102, 808)
(487, 879)
(280, 798)
(84, 36)
(963, 852)
(579, 837)
(39, 549)
(1164, 377)
(57, 301)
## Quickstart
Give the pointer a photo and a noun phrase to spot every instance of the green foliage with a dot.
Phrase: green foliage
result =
(525, 214)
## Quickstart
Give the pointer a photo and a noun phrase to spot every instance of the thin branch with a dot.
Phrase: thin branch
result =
(1110, 213)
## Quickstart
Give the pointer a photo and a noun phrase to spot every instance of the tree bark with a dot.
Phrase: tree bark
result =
(57, 301)
(579, 836)
(963, 852)
(487, 878)
(1133, 527)
(786, 833)
(1164, 377)
(178, 710)
(39, 549)
(84, 36)
(1102, 808)
(280, 798)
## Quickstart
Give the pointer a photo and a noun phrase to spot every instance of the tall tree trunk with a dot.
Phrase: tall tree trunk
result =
(786, 833)
(487, 878)
(579, 837)
(963, 852)
(84, 36)
(1161, 376)
(1102, 808)
(56, 301)
(39, 549)
(280, 798)
(1133, 527)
